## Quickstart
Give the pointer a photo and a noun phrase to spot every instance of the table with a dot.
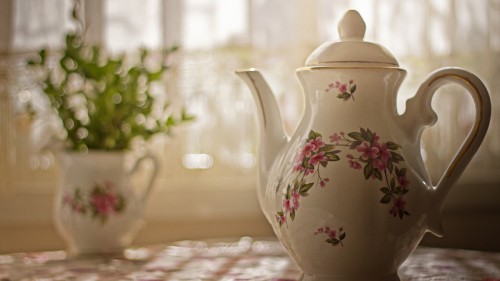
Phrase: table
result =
(241, 259)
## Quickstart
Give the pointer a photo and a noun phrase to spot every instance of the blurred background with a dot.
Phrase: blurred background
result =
(206, 186)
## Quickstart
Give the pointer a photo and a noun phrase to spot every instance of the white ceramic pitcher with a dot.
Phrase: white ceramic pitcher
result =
(348, 194)
(96, 209)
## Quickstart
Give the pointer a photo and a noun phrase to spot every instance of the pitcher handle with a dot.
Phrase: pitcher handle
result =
(422, 102)
(152, 176)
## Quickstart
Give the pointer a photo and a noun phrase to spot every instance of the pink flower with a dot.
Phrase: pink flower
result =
(323, 182)
(318, 143)
(317, 158)
(104, 204)
(368, 152)
(343, 88)
(379, 165)
(308, 172)
(281, 218)
(384, 152)
(287, 205)
(351, 81)
(332, 234)
(349, 156)
(335, 137)
(354, 164)
(403, 182)
(298, 167)
(295, 199)
(307, 149)
(398, 207)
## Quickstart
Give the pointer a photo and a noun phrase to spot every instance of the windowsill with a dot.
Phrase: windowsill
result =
(229, 207)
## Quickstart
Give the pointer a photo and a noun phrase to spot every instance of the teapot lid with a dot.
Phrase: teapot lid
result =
(352, 50)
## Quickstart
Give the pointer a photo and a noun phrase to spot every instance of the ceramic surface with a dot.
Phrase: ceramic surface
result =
(96, 208)
(348, 194)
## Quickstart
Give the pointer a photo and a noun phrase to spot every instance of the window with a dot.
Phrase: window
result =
(210, 164)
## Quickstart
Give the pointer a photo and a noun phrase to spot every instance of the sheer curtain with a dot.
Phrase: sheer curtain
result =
(217, 152)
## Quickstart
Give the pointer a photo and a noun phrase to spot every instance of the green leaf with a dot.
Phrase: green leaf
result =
(154, 76)
(368, 170)
(355, 144)
(186, 116)
(353, 88)
(344, 96)
(386, 199)
(364, 134)
(357, 136)
(333, 241)
(43, 54)
(402, 172)
(327, 147)
(314, 135)
(392, 146)
(385, 190)
(393, 184)
(342, 236)
(397, 171)
(377, 174)
(143, 54)
(331, 156)
(304, 188)
(396, 157)
(370, 135)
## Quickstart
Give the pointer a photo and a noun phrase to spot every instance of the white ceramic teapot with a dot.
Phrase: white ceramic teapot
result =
(348, 194)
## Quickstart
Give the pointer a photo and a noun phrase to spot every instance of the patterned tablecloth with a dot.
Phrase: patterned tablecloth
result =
(243, 259)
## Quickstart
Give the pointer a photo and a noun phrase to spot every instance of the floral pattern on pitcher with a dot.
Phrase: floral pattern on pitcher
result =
(313, 155)
(334, 237)
(101, 202)
(344, 90)
(378, 160)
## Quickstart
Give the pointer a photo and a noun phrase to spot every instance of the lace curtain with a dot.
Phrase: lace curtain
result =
(216, 37)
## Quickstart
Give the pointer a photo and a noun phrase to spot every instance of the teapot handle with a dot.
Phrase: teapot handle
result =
(421, 105)
(152, 176)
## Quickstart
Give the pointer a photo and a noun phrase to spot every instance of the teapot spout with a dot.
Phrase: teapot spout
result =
(272, 135)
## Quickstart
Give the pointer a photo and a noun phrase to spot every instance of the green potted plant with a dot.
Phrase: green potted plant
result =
(104, 103)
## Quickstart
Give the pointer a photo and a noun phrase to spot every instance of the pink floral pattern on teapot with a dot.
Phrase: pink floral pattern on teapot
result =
(345, 91)
(378, 160)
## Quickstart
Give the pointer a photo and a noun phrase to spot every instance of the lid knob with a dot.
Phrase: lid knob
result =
(352, 27)
(351, 50)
